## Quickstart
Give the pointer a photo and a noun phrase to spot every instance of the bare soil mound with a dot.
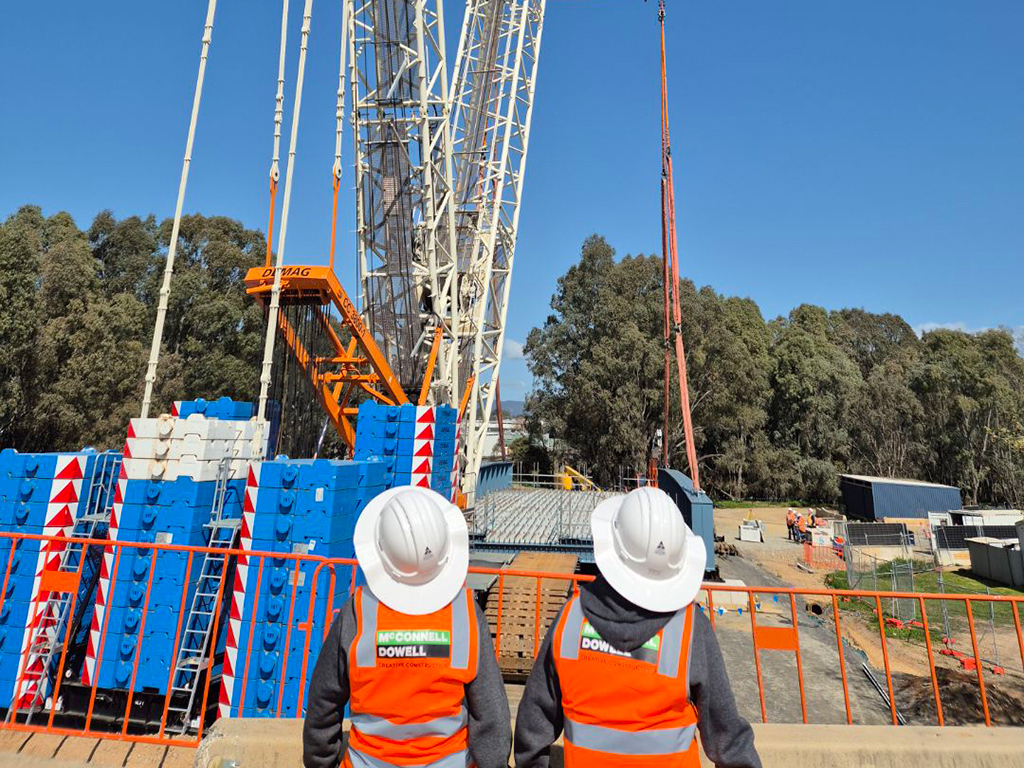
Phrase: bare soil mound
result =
(960, 697)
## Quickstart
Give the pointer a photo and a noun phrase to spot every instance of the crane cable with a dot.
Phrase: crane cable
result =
(172, 249)
(275, 293)
(671, 264)
(275, 171)
(340, 127)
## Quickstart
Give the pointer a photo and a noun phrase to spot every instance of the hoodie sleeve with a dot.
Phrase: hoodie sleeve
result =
(328, 694)
(539, 718)
(727, 738)
(490, 726)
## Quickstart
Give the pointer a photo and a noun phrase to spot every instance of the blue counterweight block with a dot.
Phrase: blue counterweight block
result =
(28, 490)
(14, 617)
(185, 490)
(223, 408)
(114, 670)
(442, 484)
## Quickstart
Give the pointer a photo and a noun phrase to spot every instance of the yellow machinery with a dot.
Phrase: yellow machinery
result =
(573, 480)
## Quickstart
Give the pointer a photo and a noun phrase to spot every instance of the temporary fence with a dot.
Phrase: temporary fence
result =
(263, 668)
(824, 556)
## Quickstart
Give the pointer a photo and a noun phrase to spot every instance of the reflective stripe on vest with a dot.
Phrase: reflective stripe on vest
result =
(455, 760)
(663, 741)
(366, 648)
(441, 727)
(460, 632)
(672, 645)
(573, 631)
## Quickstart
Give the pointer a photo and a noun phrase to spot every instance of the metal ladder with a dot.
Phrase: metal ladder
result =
(47, 640)
(200, 624)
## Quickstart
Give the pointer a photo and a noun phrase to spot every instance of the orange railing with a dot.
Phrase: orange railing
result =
(766, 619)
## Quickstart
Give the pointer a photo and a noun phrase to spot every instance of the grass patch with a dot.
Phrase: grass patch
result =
(953, 584)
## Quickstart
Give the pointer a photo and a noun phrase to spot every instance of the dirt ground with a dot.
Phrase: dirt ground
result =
(775, 563)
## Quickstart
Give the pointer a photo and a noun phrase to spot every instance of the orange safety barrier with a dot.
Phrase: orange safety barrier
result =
(772, 630)
(820, 556)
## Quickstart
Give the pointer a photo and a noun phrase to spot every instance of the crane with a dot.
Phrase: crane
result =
(439, 170)
(439, 177)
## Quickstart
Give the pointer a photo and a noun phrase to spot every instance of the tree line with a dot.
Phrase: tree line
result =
(76, 321)
(780, 408)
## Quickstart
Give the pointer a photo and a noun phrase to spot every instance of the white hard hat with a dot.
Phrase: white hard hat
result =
(413, 547)
(645, 550)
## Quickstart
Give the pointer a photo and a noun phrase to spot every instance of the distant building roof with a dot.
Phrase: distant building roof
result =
(897, 481)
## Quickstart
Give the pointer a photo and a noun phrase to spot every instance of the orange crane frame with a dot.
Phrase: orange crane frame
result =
(358, 366)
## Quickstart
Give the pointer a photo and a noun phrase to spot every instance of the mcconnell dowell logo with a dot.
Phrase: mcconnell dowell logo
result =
(591, 641)
(413, 644)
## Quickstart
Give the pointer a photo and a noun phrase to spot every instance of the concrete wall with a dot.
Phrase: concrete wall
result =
(278, 744)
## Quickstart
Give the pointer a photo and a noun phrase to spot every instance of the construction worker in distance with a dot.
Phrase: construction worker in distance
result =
(801, 522)
(790, 523)
(631, 669)
(410, 653)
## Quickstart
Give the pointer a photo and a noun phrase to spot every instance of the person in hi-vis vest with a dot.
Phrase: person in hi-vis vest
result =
(630, 671)
(410, 653)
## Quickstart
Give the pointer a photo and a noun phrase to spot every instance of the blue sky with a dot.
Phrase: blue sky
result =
(845, 154)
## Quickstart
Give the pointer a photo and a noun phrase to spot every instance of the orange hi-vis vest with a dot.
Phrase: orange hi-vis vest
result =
(625, 710)
(407, 676)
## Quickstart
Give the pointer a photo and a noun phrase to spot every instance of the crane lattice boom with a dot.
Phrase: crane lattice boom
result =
(403, 175)
(492, 106)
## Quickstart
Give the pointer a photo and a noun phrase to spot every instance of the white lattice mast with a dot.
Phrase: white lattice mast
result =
(493, 93)
(405, 216)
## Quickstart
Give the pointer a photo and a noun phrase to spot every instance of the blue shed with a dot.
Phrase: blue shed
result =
(874, 498)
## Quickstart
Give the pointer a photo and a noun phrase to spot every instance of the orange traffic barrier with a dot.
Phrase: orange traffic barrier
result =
(52, 713)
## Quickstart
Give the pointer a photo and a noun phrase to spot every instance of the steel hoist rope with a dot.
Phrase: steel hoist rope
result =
(275, 170)
(275, 294)
(340, 127)
(172, 249)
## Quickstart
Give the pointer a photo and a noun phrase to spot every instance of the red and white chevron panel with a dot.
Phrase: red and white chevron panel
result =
(229, 678)
(423, 446)
(61, 512)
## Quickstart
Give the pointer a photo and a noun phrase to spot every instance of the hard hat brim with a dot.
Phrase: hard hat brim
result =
(660, 595)
(418, 599)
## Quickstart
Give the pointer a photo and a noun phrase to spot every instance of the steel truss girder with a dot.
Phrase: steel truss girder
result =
(492, 107)
(405, 217)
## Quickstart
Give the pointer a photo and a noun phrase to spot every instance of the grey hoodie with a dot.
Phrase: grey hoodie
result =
(490, 727)
(726, 737)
